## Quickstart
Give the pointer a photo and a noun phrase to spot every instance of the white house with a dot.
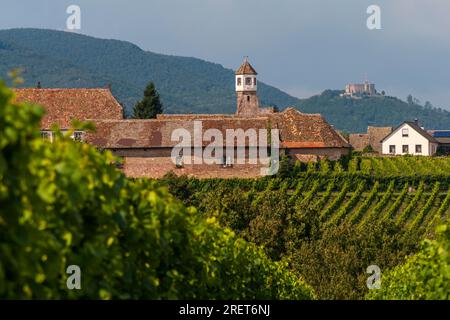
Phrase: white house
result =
(409, 138)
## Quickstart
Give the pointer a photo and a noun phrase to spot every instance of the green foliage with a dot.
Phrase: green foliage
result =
(368, 149)
(150, 105)
(64, 203)
(425, 275)
(354, 115)
(330, 227)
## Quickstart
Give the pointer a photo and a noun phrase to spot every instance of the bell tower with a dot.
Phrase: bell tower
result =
(246, 86)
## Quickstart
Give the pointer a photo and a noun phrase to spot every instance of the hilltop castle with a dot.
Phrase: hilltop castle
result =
(146, 145)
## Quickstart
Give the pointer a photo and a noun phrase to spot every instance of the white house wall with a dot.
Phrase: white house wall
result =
(414, 138)
(243, 86)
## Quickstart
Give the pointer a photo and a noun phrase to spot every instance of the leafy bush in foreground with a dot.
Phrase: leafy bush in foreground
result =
(63, 203)
(425, 275)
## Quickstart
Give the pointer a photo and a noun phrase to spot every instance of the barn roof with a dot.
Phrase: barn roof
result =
(63, 105)
(297, 130)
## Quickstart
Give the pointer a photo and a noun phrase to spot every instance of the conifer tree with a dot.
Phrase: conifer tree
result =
(150, 105)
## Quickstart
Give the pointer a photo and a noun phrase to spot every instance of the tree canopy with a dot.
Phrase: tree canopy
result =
(150, 105)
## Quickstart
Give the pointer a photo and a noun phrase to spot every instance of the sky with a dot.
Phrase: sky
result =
(300, 46)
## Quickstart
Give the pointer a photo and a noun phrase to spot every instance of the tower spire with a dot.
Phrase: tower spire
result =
(246, 87)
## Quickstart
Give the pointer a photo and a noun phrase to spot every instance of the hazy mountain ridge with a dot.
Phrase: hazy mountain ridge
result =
(186, 85)
(354, 115)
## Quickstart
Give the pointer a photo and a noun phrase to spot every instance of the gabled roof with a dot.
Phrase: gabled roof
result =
(301, 130)
(416, 127)
(63, 105)
(246, 68)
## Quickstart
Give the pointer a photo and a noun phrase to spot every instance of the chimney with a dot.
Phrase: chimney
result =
(39, 85)
(416, 121)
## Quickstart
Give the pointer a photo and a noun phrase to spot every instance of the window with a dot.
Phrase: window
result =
(47, 135)
(248, 98)
(78, 136)
(405, 148)
(248, 81)
(239, 81)
(418, 148)
(392, 149)
(405, 132)
(254, 81)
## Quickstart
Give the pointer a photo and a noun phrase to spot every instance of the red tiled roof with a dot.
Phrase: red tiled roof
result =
(297, 130)
(158, 133)
(246, 68)
(300, 130)
(63, 105)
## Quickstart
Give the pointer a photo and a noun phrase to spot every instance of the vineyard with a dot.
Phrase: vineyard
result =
(356, 202)
(310, 232)
(419, 208)
(383, 167)
(332, 225)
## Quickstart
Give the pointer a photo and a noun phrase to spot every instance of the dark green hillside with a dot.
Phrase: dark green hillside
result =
(354, 115)
(186, 85)
(70, 60)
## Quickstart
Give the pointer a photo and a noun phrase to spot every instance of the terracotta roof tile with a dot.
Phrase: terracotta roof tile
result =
(297, 130)
(246, 68)
(63, 105)
(300, 130)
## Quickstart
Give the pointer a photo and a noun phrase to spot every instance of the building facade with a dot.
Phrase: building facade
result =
(147, 146)
(373, 137)
(360, 89)
(409, 138)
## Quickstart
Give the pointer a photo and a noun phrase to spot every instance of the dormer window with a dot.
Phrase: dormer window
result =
(405, 132)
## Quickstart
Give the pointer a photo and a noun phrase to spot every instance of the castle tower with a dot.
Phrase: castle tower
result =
(246, 86)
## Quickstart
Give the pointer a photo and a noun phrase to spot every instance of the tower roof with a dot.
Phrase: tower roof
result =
(246, 68)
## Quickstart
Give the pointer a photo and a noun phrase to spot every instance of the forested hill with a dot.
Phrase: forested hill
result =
(187, 85)
(63, 59)
(354, 115)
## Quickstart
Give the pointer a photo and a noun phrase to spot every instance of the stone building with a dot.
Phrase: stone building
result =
(410, 139)
(147, 146)
(360, 89)
(373, 137)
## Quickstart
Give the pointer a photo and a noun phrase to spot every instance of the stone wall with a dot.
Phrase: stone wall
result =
(376, 134)
(373, 138)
